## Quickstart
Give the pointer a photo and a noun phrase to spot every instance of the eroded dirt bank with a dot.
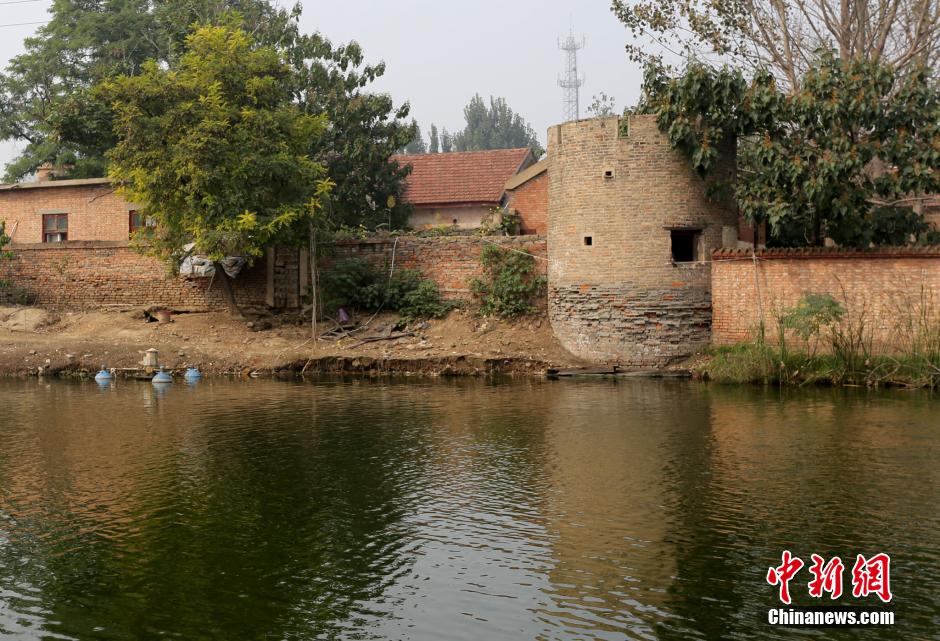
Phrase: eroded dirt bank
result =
(60, 342)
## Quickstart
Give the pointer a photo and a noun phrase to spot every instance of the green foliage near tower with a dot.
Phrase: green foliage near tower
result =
(509, 286)
(847, 156)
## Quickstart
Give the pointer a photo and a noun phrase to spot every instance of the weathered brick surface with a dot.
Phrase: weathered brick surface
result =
(95, 212)
(286, 278)
(451, 261)
(643, 323)
(92, 275)
(622, 299)
(530, 201)
(102, 274)
(885, 289)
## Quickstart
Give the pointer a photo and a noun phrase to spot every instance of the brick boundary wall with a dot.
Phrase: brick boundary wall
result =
(109, 274)
(103, 274)
(451, 261)
(886, 288)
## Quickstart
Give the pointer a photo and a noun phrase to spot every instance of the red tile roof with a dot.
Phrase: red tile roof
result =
(470, 177)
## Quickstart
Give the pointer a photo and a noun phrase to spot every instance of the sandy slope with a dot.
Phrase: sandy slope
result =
(218, 343)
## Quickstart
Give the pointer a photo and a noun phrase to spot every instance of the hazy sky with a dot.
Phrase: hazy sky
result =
(440, 52)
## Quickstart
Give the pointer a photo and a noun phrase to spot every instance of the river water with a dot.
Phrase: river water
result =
(472, 510)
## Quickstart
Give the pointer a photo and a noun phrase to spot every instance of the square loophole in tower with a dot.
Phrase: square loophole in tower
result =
(685, 244)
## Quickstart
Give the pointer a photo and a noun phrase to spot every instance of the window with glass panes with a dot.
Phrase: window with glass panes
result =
(55, 228)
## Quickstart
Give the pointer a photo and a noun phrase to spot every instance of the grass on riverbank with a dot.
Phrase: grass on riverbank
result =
(756, 362)
(818, 342)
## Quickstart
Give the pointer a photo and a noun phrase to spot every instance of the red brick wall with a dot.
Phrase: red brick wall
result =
(95, 212)
(451, 261)
(530, 201)
(886, 289)
(90, 275)
(102, 274)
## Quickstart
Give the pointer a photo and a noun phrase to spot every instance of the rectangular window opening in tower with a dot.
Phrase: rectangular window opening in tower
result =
(685, 245)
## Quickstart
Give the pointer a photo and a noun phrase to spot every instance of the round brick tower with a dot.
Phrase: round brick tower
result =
(630, 236)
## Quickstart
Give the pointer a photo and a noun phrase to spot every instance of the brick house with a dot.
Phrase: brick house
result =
(527, 197)
(55, 211)
(71, 247)
(459, 189)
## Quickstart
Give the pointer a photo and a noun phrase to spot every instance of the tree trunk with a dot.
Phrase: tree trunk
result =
(314, 308)
(227, 291)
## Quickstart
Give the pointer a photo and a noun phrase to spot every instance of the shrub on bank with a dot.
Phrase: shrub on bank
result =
(509, 285)
(358, 284)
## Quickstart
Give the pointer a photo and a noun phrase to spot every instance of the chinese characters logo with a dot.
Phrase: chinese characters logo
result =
(870, 575)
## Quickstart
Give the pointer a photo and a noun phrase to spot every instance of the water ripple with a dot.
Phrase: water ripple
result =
(459, 510)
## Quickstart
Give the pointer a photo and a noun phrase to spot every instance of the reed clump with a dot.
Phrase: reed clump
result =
(818, 341)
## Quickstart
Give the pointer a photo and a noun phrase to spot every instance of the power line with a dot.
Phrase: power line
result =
(23, 24)
(20, 1)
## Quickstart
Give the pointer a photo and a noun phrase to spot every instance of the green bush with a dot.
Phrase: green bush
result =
(353, 283)
(8, 291)
(424, 301)
(4, 241)
(358, 284)
(500, 223)
(509, 284)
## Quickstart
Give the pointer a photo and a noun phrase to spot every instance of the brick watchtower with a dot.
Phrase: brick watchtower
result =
(630, 236)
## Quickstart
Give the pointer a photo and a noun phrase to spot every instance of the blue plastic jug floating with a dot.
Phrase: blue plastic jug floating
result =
(162, 377)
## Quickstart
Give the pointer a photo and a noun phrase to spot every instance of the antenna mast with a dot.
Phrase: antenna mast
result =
(571, 82)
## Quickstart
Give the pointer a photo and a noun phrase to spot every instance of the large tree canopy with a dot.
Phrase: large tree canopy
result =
(784, 35)
(495, 126)
(215, 149)
(847, 157)
(47, 97)
(365, 129)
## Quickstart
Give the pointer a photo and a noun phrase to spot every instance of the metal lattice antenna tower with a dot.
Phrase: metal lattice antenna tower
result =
(571, 82)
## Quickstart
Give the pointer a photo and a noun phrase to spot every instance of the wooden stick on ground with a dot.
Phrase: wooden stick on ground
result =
(375, 339)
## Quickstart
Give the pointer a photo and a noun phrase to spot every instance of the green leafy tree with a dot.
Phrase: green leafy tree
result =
(435, 145)
(416, 144)
(447, 141)
(216, 150)
(783, 36)
(48, 99)
(46, 93)
(366, 129)
(494, 127)
(847, 157)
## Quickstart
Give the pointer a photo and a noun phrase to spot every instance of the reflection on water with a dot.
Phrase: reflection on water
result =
(458, 510)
